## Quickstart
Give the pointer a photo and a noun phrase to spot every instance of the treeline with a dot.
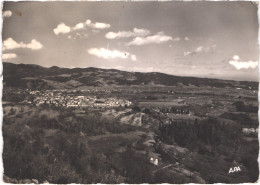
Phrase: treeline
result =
(242, 119)
(89, 124)
(241, 107)
(14, 97)
(209, 131)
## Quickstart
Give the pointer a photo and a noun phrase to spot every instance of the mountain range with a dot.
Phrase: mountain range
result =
(37, 77)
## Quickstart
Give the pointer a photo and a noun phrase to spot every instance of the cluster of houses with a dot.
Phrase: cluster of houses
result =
(73, 100)
(248, 131)
(175, 110)
(154, 161)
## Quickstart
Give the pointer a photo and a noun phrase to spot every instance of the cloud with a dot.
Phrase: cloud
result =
(133, 57)
(201, 49)
(236, 57)
(155, 39)
(124, 34)
(107, 54)
(7, 13)
(34, 45)
(97, 25)
(78, 26)
(12, 44)
(186, 38)
(242, 64)
(62, 28)
(7, 56)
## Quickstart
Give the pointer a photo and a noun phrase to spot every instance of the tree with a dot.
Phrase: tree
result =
(136, 109)
(12, 111)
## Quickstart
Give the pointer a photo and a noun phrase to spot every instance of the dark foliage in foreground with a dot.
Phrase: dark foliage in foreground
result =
(66, 157)
(210, 139)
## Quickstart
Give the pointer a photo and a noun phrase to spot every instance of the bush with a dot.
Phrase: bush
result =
(136, 109)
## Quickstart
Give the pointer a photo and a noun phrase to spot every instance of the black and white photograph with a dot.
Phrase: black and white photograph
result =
(130, 92)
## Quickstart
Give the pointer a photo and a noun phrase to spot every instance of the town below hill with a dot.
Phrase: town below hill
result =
(107, 126)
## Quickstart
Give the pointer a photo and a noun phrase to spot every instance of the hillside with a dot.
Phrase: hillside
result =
(38, 77)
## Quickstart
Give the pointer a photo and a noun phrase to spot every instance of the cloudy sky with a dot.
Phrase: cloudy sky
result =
(203, 39)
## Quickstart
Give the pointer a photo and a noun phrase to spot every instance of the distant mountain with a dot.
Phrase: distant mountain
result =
(38, 77)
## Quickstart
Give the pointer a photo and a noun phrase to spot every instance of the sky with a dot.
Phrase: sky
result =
(201, 39)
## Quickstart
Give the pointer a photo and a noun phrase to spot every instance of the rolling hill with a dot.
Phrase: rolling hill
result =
(38, 77)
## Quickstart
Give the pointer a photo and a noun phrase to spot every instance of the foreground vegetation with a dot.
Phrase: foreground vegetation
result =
(197, 141)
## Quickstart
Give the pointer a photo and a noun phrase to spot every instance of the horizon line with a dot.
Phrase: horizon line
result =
(134, 72)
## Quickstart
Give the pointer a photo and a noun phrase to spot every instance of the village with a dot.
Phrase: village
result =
(70, 99)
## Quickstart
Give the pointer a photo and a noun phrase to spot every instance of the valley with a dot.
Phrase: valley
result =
(108, 126)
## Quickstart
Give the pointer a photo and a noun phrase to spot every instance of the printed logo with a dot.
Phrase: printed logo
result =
(235, 169)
